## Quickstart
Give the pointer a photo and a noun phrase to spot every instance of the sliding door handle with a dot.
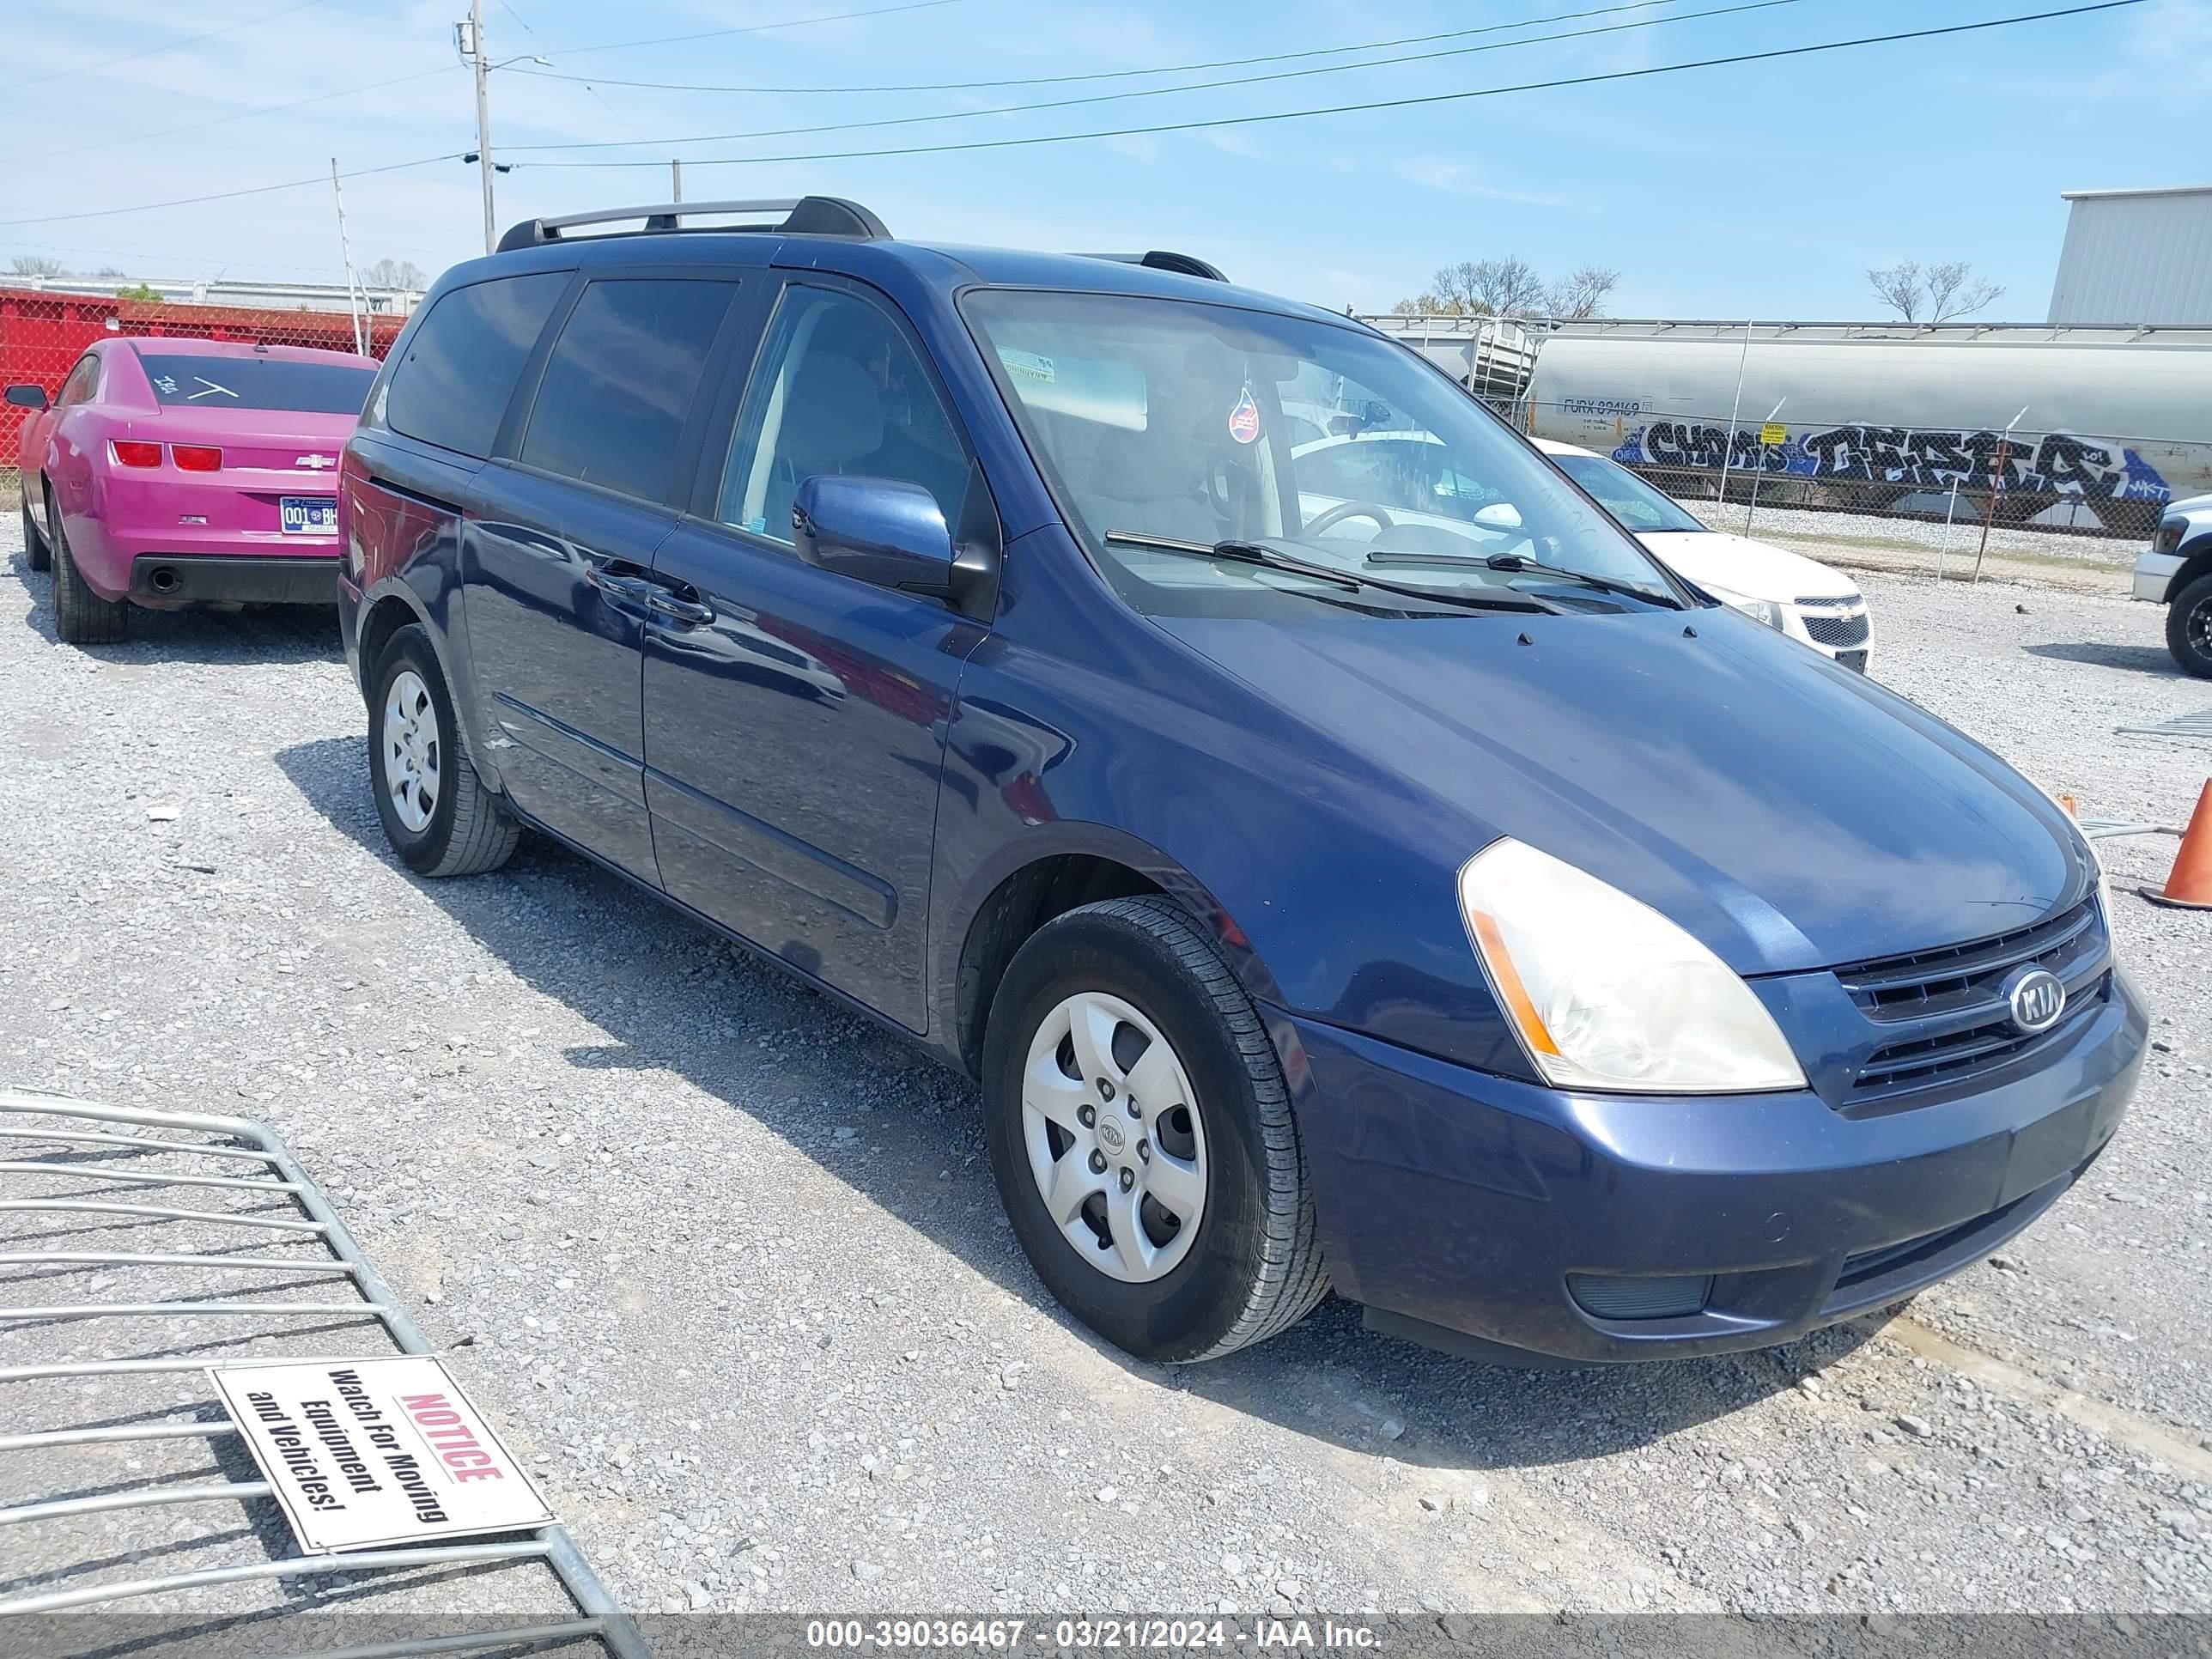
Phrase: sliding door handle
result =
(677, 607)
(634, 590)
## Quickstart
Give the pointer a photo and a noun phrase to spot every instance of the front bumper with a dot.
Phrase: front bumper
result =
(2155, 575)
(1458, 1199)
(166, 581)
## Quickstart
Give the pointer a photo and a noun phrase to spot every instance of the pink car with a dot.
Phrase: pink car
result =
(170, 473)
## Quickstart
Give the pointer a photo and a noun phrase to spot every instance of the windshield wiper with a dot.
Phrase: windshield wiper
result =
(1515, 563)
(1258, 553)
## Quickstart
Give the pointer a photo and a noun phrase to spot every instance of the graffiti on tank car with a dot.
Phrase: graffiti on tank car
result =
(2051, 464)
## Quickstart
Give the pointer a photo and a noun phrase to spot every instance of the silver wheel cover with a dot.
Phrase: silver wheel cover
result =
(1118, 1152)
(411, 757)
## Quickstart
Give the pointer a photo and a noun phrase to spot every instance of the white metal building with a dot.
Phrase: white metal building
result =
(2135, 256)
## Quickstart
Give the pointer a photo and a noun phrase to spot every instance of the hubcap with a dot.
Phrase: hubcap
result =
(2200, 627)
(410, 749)
(1126, 1186)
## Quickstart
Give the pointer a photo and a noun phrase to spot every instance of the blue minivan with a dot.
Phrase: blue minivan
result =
(1340, 866)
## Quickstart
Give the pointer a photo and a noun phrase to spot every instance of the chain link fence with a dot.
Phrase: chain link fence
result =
(43, 333)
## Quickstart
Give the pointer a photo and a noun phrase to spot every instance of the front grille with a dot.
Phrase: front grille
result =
(1836, 632)
(1951, 1001)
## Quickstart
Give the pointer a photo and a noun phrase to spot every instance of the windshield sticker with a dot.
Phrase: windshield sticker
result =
(1245, 419)
(1028, 366)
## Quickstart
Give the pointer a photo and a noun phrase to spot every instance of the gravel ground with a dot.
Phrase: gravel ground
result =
(730, 1263)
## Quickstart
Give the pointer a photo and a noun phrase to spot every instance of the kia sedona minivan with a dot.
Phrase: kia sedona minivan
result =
(1448, 907)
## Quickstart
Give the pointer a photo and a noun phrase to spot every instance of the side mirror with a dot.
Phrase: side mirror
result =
(28, 396)
(880, 531)
(1499, 515)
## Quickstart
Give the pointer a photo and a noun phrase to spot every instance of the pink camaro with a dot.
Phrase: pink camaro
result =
(169, 472)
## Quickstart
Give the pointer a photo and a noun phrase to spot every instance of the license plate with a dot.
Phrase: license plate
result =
(308, 515)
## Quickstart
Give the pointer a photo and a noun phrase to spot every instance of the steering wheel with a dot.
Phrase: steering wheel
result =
(1329, 518)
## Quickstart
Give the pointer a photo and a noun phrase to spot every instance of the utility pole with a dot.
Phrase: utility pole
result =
(473, 47)
(675, 181)
(345, 252)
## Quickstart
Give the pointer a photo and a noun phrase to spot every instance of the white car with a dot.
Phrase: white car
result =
(2177, 573)
(1791, 593)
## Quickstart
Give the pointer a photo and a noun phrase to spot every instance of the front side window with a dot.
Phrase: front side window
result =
(452, 388)
(257, 383)
(840, 390)
(619, 382)
(1198, 450)
(1635, 501)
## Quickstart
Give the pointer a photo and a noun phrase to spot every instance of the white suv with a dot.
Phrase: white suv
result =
(2177, 573)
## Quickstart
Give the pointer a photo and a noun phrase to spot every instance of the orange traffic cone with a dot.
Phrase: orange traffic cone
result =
(2190, 885)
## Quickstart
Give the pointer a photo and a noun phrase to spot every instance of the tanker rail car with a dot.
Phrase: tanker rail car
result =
(2092, 428)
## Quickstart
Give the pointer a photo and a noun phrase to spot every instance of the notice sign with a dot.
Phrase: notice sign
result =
(1773, 433)
(364, 1453)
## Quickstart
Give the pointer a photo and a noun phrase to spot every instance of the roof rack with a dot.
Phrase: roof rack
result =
(1160, 258)
(805, 215)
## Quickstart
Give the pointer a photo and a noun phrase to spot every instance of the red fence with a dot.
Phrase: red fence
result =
(42, 333)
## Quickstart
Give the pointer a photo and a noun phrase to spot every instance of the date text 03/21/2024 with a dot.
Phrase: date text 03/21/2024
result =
(1089, 1634)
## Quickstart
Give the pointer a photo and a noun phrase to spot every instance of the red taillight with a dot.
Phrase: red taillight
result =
(128, 451)
(195, 457)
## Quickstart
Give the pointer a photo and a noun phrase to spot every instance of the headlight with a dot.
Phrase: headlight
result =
(1770, 611)
(1606, 993)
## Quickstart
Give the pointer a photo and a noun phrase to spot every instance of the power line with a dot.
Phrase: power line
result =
(167, 45)
(1121, 75)
(318, 181)
(758, 29)
(1355, 109)
(243, 115)
(1194, 86)
(587, 86)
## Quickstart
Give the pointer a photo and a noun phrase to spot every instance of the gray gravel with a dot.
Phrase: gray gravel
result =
(730, 1263)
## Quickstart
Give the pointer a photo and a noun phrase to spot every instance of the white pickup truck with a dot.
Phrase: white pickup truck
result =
(2177, 573)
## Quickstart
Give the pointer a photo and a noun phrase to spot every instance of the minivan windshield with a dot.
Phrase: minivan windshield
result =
(1221, 461)
(1636, 502)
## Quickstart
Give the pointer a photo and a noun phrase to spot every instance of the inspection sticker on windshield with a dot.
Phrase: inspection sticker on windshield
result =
(1028, 366)
(1245, 419)
(367, 1452)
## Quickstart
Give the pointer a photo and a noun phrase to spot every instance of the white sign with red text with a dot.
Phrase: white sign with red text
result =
(369, 1453)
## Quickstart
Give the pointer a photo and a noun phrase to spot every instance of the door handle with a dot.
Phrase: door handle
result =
(635, 589)
(677, 607)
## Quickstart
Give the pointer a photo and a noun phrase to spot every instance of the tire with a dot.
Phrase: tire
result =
(436, 812)
(2189, 627)
(36, 553)
(81, 616)
(1249, 1264)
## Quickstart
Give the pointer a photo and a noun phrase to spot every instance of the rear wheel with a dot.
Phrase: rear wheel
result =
(2189, 627)
(436, 812)
(81, 616)
(35, 550)
(1141, 1136)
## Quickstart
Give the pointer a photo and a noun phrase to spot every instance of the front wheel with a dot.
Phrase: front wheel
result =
(36, 553)
(1142, 1139)
(2189, 627)
(436, 812)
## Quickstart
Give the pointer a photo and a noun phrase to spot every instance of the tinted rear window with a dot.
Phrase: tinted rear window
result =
(464, 359)
(258, 383)
(619, 382)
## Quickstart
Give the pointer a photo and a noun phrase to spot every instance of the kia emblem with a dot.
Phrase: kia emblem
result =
(2037, 998)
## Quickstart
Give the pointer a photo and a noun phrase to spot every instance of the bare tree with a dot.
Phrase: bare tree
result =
(1934, 295)
(1952, 291)
(1509, 287)
(394, 273)
(36, 264)
(1583, 294)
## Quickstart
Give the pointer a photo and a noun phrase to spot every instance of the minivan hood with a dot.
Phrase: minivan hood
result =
(1756, 570)
(1790, 814)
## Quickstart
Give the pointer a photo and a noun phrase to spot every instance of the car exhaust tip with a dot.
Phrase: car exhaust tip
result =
(164, 578)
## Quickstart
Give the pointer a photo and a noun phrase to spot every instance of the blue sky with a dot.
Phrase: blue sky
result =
(1763, 188)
